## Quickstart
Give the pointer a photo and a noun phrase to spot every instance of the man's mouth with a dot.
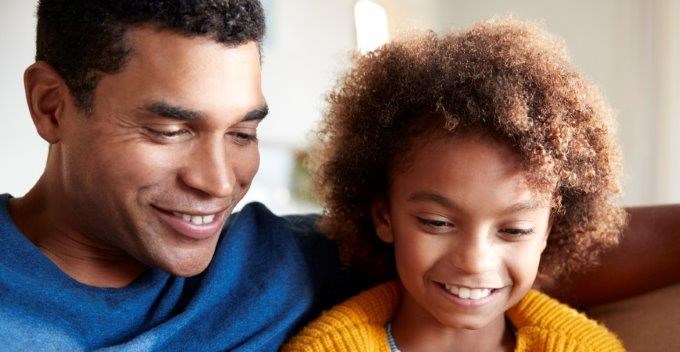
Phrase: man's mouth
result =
(196, 219)
(196, 224)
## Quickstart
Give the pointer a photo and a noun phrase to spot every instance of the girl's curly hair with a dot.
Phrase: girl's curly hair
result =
(504, 77)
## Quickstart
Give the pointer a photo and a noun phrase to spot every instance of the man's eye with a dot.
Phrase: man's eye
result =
(168, 134)
(513, 232)
(243, 138)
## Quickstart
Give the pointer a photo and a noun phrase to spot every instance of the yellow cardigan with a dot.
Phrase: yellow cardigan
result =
(542, 324)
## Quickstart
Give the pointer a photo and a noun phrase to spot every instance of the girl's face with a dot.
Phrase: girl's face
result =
(467, 230)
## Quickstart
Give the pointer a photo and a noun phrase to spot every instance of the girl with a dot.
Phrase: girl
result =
(482, 165)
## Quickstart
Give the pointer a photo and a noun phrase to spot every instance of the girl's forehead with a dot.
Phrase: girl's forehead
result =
(461, 144)
(469, 163)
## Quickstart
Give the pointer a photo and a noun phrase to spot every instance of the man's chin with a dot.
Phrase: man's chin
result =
(187, 269)
(185, 263)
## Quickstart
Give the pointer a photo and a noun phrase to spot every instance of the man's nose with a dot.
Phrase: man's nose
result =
(209, 169)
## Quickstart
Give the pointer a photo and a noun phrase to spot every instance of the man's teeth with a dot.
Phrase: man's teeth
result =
(196, 219)
(468, 293)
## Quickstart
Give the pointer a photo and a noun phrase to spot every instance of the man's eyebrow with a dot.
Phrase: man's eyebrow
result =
(173, 112)
(179, 113)
(257, 114)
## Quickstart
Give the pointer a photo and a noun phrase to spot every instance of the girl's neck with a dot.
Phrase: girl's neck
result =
(414, 329)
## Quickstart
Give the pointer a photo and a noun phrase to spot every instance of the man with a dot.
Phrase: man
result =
(151, 110)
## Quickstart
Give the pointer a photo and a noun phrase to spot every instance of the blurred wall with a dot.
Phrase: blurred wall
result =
(22, 152)
(305, 49)
(630, 48)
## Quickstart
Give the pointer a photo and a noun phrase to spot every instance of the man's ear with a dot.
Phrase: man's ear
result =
(381, 221)
(46, 95)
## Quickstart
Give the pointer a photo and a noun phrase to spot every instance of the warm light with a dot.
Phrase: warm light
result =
(371, 25)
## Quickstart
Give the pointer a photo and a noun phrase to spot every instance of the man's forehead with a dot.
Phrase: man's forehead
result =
(167, 56)
(156, 42)
(187, 77)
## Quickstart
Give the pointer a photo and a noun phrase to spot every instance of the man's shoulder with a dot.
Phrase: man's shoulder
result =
(258, 215)
(256, 219)
(332, 280)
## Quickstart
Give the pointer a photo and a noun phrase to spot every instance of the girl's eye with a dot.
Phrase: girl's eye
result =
(514, 232)
(435, 225)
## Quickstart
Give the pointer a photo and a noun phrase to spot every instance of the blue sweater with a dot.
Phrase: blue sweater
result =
(269, 274)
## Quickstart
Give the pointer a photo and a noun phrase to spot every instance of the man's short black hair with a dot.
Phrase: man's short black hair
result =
(84, 39)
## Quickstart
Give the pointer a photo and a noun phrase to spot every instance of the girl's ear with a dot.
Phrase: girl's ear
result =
(381, 221)
(547, 234)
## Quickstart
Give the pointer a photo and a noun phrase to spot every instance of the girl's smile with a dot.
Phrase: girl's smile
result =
(467, 296)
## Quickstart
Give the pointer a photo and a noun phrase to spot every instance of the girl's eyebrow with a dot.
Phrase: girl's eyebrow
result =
(434, 197)
(519, 207)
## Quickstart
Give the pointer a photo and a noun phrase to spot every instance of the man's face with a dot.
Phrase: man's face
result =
(168, 151)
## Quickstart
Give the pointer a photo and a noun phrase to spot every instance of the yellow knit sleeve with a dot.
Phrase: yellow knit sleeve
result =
(355, 325)
(544, 324)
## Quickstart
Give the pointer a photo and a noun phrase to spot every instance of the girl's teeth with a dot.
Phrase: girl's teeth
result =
(451, 288)
(468, 293)
(476, 294)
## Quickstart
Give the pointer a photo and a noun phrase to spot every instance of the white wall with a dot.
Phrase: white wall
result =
(22, 152)
(306, 48)
(665, 18)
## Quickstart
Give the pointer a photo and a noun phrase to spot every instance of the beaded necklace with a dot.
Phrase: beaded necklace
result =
(390, 339)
